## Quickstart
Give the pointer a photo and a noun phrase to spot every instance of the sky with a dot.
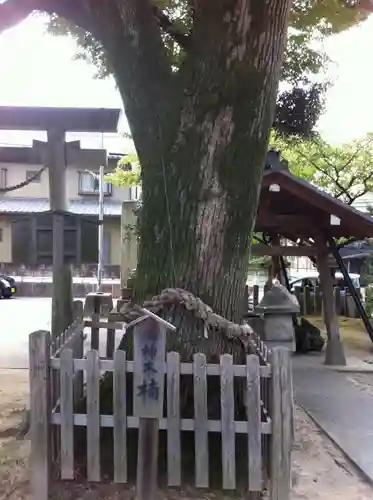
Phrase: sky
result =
(38, 69)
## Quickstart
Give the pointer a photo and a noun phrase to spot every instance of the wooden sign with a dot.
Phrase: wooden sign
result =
(149, 368)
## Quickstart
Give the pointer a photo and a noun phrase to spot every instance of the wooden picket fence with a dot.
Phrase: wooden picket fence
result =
(62, 374)
(310, 301)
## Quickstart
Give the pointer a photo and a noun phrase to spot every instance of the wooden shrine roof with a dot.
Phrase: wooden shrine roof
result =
(294, 208)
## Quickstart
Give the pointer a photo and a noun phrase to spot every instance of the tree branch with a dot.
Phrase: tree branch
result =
(131, 36)
(358, 150)
(326, 173)
(365, 189)
(331, 165)
(169, 27)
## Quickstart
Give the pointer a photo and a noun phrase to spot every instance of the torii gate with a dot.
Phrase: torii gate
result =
(56, 122)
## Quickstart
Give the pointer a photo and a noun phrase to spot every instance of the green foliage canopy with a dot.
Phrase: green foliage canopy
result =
(345, 171)
(311, 21)
(127, 172)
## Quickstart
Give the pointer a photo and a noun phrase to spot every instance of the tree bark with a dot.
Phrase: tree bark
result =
(201, 179)
(202, 163)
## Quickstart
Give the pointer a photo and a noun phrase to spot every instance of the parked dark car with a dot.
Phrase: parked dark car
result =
(7, 286)
(311, 280)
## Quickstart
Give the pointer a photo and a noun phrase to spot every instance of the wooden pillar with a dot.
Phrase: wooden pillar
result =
(282, 437)
(40, 426)
(62, 281)
(278, 270)
(276, 264)
(334, 354)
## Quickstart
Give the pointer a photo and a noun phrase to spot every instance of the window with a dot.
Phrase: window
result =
(1, 234)
(3, 177)
(88, 184)
(33, 174)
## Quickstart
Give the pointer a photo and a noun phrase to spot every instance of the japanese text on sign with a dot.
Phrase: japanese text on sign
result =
(149, 387)
(149, 368)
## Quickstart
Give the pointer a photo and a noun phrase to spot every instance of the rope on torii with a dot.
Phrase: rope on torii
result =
(24, 183)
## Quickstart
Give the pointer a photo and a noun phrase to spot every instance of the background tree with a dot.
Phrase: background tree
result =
(199, 82)
(127, 172)
(298, 110)
(345, 171)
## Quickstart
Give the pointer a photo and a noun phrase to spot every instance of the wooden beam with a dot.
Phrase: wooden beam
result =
(285, 251)
(75, 155)
(83, 158)
(69, 119)
(283, 221)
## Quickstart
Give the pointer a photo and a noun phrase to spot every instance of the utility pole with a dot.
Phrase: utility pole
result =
(99, 182)
(100, 229)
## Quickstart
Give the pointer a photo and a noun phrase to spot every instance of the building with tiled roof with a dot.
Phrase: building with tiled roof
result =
(25, 218)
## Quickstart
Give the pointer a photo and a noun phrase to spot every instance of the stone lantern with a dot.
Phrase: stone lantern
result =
(277, 309)
(98, 303)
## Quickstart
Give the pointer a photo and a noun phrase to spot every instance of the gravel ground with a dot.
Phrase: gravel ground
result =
(320, 471)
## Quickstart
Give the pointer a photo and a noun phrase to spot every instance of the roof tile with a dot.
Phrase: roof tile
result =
(39, 205)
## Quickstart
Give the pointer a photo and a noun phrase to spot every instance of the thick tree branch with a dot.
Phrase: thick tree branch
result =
(132, 39)
(13, 12)
(169, 27)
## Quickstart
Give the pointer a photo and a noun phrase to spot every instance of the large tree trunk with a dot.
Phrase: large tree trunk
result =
(201, 136)
(200, 195)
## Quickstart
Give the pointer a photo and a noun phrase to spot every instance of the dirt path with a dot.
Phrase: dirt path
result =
(320, 472)
(14, 388)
